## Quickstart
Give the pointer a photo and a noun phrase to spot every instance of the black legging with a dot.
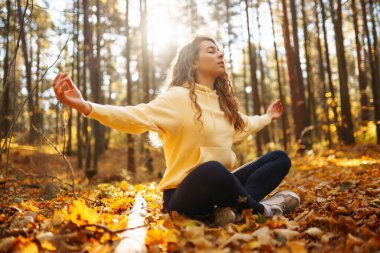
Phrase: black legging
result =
(211, 184)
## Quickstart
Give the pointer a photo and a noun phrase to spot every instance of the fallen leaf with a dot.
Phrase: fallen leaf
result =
(286, 233)
(314, 231)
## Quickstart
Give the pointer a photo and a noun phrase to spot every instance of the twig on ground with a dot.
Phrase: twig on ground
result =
(36, 176)
(113, 232)
(64, 157)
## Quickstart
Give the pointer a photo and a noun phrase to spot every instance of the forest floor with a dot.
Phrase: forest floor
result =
(339, 211)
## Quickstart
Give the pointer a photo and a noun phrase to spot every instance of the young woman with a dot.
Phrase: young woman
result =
(197, 119)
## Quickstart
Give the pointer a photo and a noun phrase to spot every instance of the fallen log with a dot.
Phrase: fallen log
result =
(133, 240)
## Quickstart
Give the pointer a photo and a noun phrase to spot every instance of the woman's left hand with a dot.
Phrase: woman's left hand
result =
(275, 110)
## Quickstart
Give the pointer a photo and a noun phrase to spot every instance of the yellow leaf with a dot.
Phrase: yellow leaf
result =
(124, 186)
(172, 235)
(121, 205)
(80, 214)
(29, 248)
(294, 247)
(29, 206)
(154, 236)
(58, 218)
(47, 245)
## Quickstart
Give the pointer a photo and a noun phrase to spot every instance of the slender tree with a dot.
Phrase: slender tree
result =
(78, 81)
(305, 120)
(284, 119)
(28, 70)
(96, 83)
(245, 82)
(375, 71)
(298, 104)
(254, 83)
(266, 132)
(88, 59)
(5, 109)
(145, 76)
(311, 108)
(361, 69)
(347, 125)
(130, 140)
(374, 64)
(229, 39)
(332, 95)
(321, 74)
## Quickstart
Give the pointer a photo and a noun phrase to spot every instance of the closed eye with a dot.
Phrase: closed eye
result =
(212, 49)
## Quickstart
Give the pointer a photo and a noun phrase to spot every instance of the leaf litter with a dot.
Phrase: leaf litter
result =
(339, 212)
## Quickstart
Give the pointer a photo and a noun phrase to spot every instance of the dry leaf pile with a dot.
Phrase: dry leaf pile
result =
(339, 212)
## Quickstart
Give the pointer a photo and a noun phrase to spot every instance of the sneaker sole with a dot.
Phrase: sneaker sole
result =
(223, 216)
(291, 204)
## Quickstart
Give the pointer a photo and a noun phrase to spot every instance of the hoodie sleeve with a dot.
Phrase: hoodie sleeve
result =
(253, 124)
(159, 115)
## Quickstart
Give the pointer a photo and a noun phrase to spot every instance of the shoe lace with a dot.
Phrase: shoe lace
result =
(275, 200)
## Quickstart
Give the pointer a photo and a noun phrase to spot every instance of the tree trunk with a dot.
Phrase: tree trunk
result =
(284, 118)
(322, 80)
(131, 166)
(28, 71)
(303, 117)
(246, 99)
(373, 60)
(267, 131)
(309, 80)
(145, 76)
(375, 72)
(78, 81)
(298, 104)
(361, 70)
(5, 109)
(329, 74)
(88, 61)
(254, 83)
(347, 125)
(37, 116)
(229, 33)
(96, 85)
(69, 147)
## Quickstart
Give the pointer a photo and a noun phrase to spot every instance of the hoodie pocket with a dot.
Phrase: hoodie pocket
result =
(223, 155)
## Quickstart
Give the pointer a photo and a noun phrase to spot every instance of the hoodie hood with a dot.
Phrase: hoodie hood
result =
(204, 90)
(201, 87)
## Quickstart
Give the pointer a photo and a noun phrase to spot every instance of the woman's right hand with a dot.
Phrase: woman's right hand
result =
(67, 93)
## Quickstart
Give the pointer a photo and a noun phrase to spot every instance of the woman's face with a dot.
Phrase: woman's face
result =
(210, 60)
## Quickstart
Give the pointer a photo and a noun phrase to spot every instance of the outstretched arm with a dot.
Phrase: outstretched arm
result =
(159, 115)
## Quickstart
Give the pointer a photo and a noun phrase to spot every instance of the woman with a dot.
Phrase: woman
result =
(197, 120)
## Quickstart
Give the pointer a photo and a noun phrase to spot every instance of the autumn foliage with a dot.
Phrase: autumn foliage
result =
(339, 212)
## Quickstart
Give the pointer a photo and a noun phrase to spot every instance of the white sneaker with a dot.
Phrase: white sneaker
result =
(282, 202)
(223, 216)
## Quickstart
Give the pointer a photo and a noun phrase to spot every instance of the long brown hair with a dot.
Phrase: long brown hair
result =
(182, 72)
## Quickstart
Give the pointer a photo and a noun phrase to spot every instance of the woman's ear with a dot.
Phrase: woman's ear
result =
(195, 64)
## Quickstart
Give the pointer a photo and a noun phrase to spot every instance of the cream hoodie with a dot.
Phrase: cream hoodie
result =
(171, 115)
